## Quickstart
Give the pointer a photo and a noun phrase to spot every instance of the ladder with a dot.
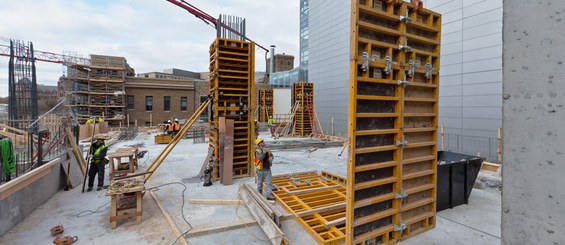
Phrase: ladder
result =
(171, 145)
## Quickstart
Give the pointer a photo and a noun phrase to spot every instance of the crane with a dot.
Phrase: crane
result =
(48, 56)
(208, 19)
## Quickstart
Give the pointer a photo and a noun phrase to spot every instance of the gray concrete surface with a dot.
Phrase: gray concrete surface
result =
(15, 208)
(533, 200)
(475, 223)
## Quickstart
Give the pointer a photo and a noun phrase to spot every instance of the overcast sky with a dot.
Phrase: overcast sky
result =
(151, 34)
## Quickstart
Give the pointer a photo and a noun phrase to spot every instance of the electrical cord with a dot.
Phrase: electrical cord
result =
(182, 206)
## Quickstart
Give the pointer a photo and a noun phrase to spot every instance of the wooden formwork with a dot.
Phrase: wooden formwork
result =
(265, 104)
(393, 121)
(316, 201)
(303, 95)
(231, 85)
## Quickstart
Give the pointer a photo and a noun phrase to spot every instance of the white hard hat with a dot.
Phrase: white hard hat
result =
(168, 120)
(176, 119)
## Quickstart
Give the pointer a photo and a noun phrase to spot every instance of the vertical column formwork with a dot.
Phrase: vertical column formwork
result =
(232, 89)
(265, 104)
(303, 121)
(392, 121)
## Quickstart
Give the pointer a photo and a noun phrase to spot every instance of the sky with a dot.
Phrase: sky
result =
(151, 34)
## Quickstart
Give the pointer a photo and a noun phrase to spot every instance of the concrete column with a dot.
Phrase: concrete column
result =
(533, 173)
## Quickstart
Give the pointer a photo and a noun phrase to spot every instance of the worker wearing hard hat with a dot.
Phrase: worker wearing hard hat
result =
(270, 123)
(176, 127)
(263, 159)
(170, 127)
(97, 162)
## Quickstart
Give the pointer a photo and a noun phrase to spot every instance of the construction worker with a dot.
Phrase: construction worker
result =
(270, 123)
(263, 159)
(100, 120)
(90, 120)
(97, 162)
(165, 127)
(170, 127)
(176, 128)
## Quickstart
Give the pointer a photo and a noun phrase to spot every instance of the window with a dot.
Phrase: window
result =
(148, 103)
(167, 103)
(203, 99)
(130, 102)
(183, 104)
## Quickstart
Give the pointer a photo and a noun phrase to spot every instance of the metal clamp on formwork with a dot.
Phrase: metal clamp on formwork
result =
(389, 63)
(404, 48)
(400, 195)
(406, 18)
(214, 74)
(366, 61)
(402, 82)
(400, 227)
(401, 142)
(429, 70)
(411, 68)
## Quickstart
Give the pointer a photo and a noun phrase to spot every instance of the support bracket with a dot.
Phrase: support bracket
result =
(400, 195)
(402, 82)
(389, 64)
(366, 61)
(411, 68)
(429, 70)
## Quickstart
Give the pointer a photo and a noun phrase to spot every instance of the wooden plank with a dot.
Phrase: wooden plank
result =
(227, 172)
(170, 221)
(221, 145)
(215, 201)
(76, 175)
(320, 210)
(213, 230)
(304, 191)
(262, 201)
(335, 223)
(274, 234)
(76, 151)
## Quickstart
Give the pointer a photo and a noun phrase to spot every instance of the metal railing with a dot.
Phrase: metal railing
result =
(486, 147)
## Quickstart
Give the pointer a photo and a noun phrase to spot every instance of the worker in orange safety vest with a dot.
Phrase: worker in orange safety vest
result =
(263, 159)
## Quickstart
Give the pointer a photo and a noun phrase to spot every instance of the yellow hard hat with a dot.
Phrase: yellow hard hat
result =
(258, 140)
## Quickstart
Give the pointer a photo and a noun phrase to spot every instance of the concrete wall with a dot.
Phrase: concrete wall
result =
(533, 200)
(328, 60)
(14, 207)
(470, 99)
(282, 100)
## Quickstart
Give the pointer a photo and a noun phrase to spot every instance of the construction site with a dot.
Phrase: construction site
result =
(394, 129)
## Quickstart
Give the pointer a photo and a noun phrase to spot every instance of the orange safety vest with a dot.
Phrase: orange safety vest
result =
(259, 164)
(177, 126)
(170, 127)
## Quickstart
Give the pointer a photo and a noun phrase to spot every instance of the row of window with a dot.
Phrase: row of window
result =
(149, 103)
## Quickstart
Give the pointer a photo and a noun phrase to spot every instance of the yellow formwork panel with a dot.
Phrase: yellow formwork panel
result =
(392, 121)
(232, 87)
(303, 121)
(265, 105)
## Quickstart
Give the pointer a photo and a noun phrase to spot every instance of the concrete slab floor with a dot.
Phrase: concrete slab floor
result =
(476, 223)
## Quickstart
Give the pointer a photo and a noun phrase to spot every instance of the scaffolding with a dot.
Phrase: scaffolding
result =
(97, 89)
(265, 107)
(393, 105)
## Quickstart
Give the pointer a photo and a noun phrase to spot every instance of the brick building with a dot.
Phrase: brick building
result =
(283, 62)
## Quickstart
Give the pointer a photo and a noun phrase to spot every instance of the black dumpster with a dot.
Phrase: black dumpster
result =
(456, 175)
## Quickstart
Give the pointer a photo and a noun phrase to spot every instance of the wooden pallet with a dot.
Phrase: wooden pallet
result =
(393, 121)
(232, 88)
(318, 206)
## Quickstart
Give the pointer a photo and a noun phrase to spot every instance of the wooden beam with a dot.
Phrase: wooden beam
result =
(172, 224)
(320, 210)
(294, 174)
(273, 232)
(78, 154)
(304, 191)
(335, 222)
(204, 231)
(215, 201)
(11, 187)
